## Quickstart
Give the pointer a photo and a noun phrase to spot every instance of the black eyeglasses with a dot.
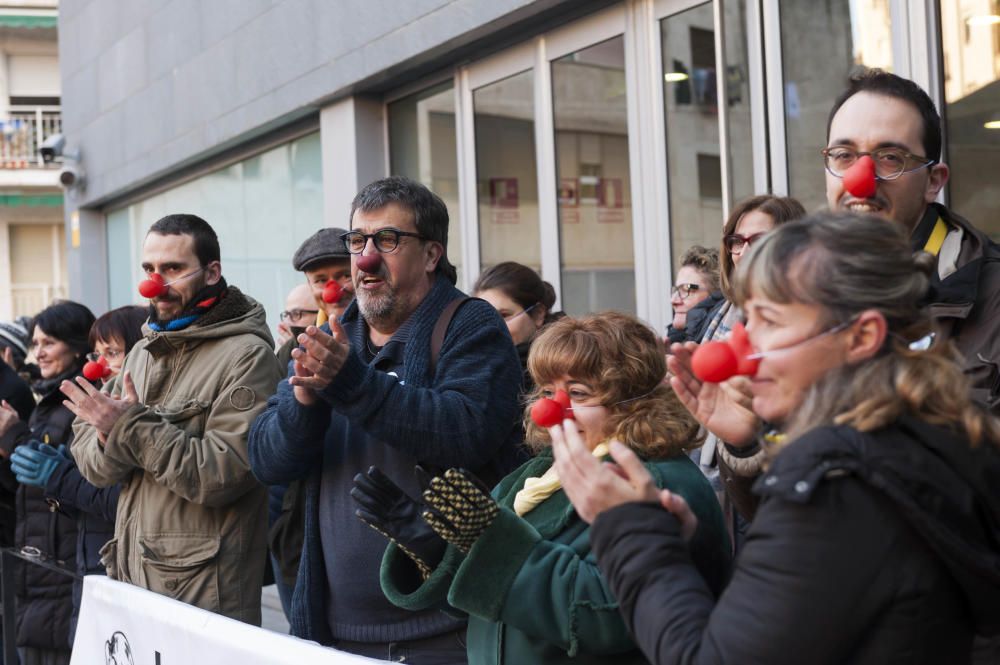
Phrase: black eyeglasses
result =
(684, 291)
(736, 243)
(386, 240)
(890, 163)
(297, 314)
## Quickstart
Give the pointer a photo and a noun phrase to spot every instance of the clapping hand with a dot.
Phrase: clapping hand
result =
(34, 462)
(724, 409)
(317, 361)
(593, 486)
(385, 507)
(97, 408)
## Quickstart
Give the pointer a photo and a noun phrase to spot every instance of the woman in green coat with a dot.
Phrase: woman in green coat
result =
(518, 562)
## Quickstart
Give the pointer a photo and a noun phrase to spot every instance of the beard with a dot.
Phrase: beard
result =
(384, 311)
(177, 300)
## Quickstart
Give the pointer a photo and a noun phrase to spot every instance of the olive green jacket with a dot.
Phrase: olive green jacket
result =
(192, 519)
(531, 586)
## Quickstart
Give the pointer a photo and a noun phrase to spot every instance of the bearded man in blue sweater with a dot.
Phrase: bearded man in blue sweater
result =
(374, 389)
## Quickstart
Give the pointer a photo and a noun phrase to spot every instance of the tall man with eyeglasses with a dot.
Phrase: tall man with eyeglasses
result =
(372, 390)
(892, 122)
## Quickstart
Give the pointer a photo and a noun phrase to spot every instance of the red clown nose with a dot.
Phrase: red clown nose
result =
(152, 287)
(96, 370)
(715, 362)
(859, 180)
(370, 263)
(548, 412)
(332, 292)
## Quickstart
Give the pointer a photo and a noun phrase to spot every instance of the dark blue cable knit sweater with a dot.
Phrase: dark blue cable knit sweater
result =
(466, 415)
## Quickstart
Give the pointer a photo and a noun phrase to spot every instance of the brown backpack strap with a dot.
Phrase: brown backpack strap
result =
(441, 328)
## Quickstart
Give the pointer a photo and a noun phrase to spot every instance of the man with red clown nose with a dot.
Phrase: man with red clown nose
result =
(172, 429)
(883, 157)
(413, 372)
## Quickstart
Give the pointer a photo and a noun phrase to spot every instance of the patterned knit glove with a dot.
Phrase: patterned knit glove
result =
(383, 506)
(459, 508)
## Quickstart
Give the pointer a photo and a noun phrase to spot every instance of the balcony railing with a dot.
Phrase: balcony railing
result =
(22, 133)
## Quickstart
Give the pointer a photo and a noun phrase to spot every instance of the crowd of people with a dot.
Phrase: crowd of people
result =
(833, 499)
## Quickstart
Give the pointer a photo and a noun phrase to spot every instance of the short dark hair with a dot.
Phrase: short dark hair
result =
(880, 82)
(124, 323)
(430, 214)
(67, 321)
(206, 242)
(521, 284)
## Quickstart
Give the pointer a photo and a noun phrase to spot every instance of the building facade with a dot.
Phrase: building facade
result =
(592, 140)
(32, 238)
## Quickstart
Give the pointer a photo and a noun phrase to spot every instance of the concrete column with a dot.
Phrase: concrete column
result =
(87, 260)
(352, 136)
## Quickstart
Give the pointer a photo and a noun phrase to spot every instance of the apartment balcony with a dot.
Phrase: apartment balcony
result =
(22, 131)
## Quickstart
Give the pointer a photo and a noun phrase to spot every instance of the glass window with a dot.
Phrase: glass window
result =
(422, 147)
(506, 177)
(822, 42)
(592, 161)
(261, 208)
(970, 40)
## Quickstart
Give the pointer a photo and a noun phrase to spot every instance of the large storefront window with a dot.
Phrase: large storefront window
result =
(970, 40)
(694, 165)
(822, 42)
(422, 147)
(592, 162)
(506, 177)
(262, 208)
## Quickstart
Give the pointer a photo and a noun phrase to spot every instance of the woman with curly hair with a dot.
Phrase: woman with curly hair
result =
(518, 562)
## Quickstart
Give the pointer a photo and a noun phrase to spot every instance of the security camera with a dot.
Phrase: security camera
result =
(71, 176)
(52, 147)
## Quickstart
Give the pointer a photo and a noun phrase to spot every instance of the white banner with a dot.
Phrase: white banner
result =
(121, 624)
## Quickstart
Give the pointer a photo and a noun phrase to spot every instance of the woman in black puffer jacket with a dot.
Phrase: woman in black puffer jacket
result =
(45, 598)
(877, 538)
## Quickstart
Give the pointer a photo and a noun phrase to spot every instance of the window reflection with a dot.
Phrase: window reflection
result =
(595, 202)
(506, 177)
(970, 40)
(822, 42)
(422, 147)
(694, 163)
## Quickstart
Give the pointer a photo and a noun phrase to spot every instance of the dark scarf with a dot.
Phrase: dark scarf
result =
(201, 303)
(45, 387)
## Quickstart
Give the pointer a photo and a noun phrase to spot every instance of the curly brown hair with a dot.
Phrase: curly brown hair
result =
(623, 361)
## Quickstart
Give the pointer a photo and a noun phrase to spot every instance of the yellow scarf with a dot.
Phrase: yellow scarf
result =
(936, 239)
(536, 490)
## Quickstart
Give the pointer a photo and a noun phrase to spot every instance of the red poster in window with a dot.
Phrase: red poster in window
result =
(569, 193)
(611, 201)
(503, 193)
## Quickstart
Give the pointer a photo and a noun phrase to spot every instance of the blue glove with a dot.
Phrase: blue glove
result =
(34, 462)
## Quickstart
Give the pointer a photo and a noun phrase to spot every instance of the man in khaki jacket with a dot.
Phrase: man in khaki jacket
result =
(172, 428)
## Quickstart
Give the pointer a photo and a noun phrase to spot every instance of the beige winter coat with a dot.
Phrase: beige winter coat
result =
(192, 519)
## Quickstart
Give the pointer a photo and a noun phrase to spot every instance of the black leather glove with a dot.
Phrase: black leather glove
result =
(459, 508)
(383, 506)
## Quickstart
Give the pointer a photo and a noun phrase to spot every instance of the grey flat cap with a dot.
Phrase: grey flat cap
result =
(321, 247)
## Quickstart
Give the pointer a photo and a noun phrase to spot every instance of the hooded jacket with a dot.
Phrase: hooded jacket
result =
(191, 521)
(867, 548)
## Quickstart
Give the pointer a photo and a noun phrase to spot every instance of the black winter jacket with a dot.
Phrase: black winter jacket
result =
(867, 548)
(94, 508)
(44, 598)
(18, 395)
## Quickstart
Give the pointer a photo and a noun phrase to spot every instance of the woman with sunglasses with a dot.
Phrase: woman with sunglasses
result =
(524, 301)
(877, 537)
